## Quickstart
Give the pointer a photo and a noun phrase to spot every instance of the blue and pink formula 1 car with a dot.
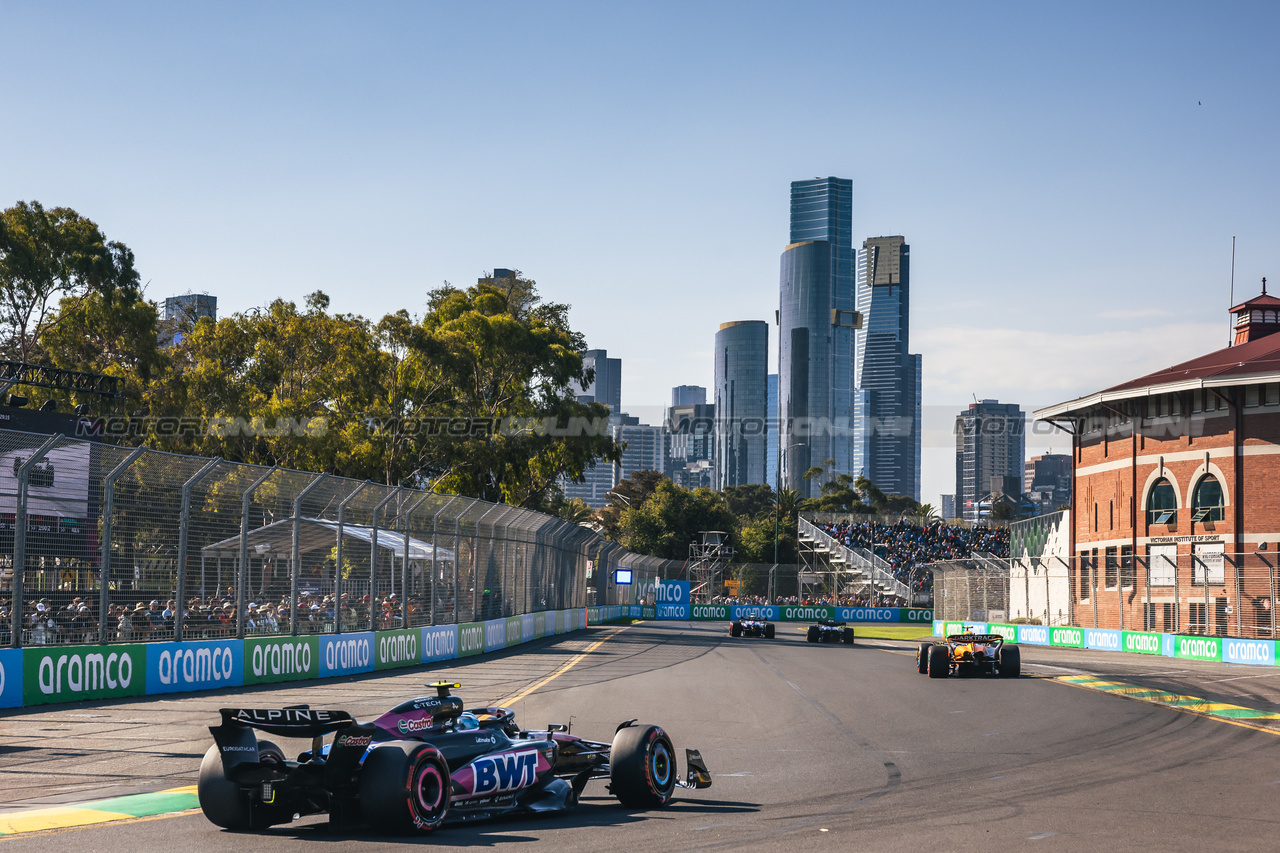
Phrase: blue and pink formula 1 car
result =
(424, 763)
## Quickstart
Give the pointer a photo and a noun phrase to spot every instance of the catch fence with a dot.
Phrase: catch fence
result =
(104, 544)
(1190, 590)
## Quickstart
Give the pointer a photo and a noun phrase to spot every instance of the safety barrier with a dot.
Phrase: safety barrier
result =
(1203, 648)
(40, 675)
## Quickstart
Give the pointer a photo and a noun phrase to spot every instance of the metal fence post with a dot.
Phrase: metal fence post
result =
(242, 582)
(404, 565)
(184, 521)
(295, 554)
(104, 591)
(373, 557)
(434, 529)
(20, 539)
(337, 580)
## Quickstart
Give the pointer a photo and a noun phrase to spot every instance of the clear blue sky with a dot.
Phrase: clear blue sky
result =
(1069, 175)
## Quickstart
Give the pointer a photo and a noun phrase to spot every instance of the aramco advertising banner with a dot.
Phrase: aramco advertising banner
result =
(799, 613)
(10, 678)
(83, 672)
(672, 599)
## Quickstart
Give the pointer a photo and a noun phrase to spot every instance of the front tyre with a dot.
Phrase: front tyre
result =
(735, 629)
(404, 788)
(642, 767)
(922, 657)
(812, 634)
(768, 630)
(847, 636)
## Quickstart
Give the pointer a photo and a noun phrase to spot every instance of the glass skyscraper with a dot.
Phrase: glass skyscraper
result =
(887, 381)
(816, 320)
(741, 402)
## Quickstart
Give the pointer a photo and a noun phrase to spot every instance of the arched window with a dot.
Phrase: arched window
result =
(1206, 503)
(1162, 502)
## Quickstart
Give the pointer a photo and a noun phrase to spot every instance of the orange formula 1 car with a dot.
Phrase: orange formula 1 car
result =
(970, 654)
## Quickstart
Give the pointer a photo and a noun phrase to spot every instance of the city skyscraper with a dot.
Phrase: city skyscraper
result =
(886, 411)
(607, 386)
(741, 401)
(990, 445)
(771, 434)
(817, 315)
(688, 395)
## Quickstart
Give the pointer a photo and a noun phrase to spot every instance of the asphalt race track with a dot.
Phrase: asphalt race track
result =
(812, 747)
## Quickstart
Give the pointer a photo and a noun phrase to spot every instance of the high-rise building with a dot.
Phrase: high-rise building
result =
(691, 445)
(645, 450)
(607, 386)
(741, 401)
(990, 442)
(948, 510)
(816, 319)
(771, 434)
(688, 395)
(1046, 480)
(182, 312)
(886, 413)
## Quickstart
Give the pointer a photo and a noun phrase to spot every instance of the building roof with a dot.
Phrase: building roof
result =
(1252, 363)
(1263, 301)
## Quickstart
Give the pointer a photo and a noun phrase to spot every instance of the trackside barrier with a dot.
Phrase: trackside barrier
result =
(42, 674)
(1215, 649)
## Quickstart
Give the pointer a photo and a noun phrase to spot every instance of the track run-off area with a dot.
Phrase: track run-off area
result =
(811, 747)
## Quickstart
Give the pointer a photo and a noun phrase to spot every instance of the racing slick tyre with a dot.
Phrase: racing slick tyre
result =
(846, 636)
(812, 634)
(735, 629)
(404, 787)
(225, 804)
(922, 657)
(642, 767)
(939, 661)
(768, 630)
(1009, 661)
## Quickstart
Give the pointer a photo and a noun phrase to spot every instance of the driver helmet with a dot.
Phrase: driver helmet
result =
(466, 722)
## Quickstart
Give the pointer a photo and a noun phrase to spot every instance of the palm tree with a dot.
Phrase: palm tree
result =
(576, 511)
(927, 515)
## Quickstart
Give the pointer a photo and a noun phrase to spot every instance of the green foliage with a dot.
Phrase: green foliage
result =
(46, 255)
(666, 523)
(750, 501)
(631, 492)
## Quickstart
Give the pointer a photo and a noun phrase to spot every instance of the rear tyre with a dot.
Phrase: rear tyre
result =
(1009, 661)
(922, 657)
(939, 661)
(768, 630)
(642, 767)
(735, 629)
(847, 636)
(812, 634)
(225, 804)
(404, 788)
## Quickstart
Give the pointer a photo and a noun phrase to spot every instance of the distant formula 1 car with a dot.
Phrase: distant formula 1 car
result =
(830, 631)
(751, 628)
(424, 763)
(970, 654)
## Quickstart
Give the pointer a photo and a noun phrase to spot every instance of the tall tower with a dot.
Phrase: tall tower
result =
(990, 444)
(887, 401)
(607, 386)
(742, 402)
(816, 319)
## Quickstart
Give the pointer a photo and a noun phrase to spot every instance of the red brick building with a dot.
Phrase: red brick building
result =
(1175, 514)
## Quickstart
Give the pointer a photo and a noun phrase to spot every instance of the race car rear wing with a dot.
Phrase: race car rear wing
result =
(975, 638)
(288, 722)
